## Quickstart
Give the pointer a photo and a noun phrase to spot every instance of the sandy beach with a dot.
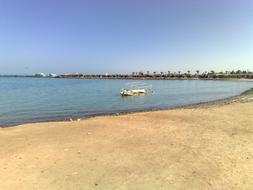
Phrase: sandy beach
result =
(208, 146)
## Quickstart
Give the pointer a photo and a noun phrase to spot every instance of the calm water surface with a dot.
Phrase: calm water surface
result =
(25, 100)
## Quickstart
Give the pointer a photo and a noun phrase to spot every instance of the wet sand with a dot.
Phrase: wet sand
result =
(209, 146)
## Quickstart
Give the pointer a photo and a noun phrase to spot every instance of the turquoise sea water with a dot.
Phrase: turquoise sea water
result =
(25, 100)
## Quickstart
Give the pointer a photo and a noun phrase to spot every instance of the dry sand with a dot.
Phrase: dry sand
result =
(206, 147)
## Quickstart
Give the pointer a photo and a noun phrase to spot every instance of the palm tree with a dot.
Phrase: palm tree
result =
(197, 72)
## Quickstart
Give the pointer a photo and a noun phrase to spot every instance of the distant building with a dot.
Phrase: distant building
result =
(40, 75)
(53, 75)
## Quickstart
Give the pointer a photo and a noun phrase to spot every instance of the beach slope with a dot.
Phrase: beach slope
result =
(204, 147)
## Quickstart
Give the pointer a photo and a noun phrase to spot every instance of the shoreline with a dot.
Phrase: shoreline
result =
(224, 101)
(135, 78)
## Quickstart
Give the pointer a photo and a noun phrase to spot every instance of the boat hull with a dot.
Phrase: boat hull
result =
(133, 92)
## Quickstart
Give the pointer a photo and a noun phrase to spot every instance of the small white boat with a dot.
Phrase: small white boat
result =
(137, 92)
(137, 89)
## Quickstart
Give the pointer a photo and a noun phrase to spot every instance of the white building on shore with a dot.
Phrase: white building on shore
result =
(40, 75)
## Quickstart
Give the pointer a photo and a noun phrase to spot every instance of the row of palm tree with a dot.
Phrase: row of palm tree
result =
(169, 74)
(197, 74)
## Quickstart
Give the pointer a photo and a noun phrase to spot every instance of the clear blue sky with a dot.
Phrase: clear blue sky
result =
(119, 36)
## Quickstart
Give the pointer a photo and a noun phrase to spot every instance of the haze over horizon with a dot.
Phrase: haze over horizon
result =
(117, 36)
